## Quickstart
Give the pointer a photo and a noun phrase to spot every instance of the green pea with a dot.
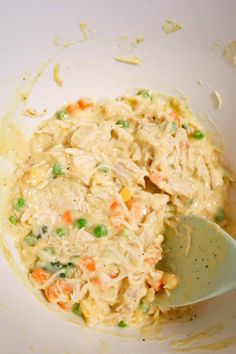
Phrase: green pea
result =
(19, 204)
(220, 215)
(199, 134)
(13, 219)
(80, 223)
(57, 169)
(60, 231)
(61, 114)
(76, 310)
(123, 123)
(122, 324)
(100, 231)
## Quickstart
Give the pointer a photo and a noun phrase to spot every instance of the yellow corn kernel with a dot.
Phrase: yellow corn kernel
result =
(88, 307)
(126, 194)
(170, 281)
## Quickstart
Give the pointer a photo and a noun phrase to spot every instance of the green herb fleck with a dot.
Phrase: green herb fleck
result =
(50, 250)
(60, 231)
(103, 168)
(191, 201)
(144, 306)
(123, 123)
(145, 94)
(67, 270)
(44, 229)
(174, 127)
(31, 239)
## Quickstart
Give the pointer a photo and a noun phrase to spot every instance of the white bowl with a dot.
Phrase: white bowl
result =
(168, 62)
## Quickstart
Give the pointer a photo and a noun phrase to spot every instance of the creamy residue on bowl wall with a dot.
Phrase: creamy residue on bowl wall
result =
(91, 201)
(230, 52)
(171, 26)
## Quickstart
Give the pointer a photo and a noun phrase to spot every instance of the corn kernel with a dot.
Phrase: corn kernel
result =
(126, 194)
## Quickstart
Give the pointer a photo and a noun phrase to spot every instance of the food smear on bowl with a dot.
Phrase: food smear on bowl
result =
(134, 60)
(171, 26)
(85, 30)
(217, 100)
(32, 113)
(56, 75)
(91, 202)
(230, 52)
(128, 50)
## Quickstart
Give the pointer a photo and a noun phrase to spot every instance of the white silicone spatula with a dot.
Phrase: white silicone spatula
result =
(203, 255)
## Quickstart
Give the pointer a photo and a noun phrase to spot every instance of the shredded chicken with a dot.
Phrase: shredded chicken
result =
(91, 202)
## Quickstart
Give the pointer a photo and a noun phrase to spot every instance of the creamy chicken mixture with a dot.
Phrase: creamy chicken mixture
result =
(91, 202)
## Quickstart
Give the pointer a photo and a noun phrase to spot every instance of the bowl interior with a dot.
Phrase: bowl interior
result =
(172, 63)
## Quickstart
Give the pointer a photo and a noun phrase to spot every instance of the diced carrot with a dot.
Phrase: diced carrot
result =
(117, 213)
(99, 283)
(53, 291)
(113, 276)
(73, 107)
(40, 275)
(184, 145)
(136, 207)
(85, 103)
(115, 205)
(66, 288)
(67, 217)
(176, 118)
(89, 263)
(65, 306)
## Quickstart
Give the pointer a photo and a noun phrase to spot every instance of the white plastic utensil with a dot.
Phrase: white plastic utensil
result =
(203, 255)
